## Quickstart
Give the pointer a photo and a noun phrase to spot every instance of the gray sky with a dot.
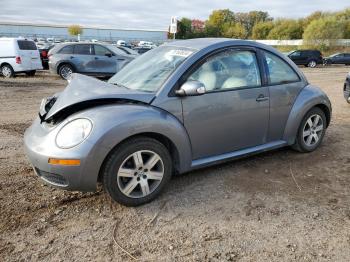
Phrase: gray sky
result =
(148, 14)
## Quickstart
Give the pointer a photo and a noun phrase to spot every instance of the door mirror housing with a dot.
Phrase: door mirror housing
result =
(191, 88)
(108, 54)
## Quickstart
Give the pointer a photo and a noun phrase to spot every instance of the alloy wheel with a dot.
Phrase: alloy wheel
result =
(313, 129)
(6, 71)
(312, 64)
(66, 72)
(140, 174)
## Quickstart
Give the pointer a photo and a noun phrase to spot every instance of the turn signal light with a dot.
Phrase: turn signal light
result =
(64, 162)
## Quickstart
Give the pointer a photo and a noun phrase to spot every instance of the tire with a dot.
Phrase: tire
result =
(312, 64)
(65, 71)
(31, 73)
(305, 131)
(126, 178)
(7, 71)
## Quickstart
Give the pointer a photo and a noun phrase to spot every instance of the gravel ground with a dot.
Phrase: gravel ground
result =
(246, 210)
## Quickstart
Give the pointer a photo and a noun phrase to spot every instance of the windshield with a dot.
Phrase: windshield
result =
(116, 50)
(149, 71)
(127, 50)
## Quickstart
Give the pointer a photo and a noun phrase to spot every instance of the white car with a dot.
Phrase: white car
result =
(121, 43)
(146, 44)
(19, 55)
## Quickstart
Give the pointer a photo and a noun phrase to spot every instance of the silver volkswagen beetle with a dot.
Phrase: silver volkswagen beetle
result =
(182, 106)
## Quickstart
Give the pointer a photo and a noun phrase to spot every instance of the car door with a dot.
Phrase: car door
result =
(83, 58)
(338, 59)
(296, 57)
(233, 113)
(284, 86)
(104, 60)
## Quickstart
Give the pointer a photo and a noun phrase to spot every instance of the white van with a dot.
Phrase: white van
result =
(121, 43)
(19, 55)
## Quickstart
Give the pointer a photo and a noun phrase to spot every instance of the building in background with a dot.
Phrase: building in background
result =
(9, 29)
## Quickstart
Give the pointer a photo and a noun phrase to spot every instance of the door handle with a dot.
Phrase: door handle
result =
(120, 59)
(71, 57)
(262, 98)
(96, 58)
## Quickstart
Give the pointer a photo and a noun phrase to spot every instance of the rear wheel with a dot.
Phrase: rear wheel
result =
(31, 73)
(65, 71)
(7, 71)
(311, 131)
(137, 171)
(312, 64)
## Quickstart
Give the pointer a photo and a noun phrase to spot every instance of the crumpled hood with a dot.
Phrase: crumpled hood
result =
(87, 89)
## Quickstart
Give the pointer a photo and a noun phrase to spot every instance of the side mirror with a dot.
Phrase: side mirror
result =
(191, 88)
(108, 54)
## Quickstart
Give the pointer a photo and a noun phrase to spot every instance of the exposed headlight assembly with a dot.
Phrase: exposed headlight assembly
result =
(73, 133)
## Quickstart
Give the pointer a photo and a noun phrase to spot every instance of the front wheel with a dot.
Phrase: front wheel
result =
(311, 131)
(312, 64)
(136, 171)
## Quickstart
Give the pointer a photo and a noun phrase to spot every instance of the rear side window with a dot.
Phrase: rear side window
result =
(83, 49)
(67, 49)
(26, 45)
(279, 71)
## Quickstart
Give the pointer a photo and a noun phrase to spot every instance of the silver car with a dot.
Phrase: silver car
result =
(88, 59)
(179, 107)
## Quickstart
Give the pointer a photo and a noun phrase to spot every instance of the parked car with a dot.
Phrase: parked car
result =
(86, 58)
(309, 58)
(179, 107)
(128, 51)
(19, 55)
(121, 43)
(146, 44)
(338, 59)
(44, 49)
(142, 50)
(347, 88)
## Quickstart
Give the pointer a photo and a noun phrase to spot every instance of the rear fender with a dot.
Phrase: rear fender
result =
(309, 97)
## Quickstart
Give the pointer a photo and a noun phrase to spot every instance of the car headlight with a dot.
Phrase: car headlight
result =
(73, 133)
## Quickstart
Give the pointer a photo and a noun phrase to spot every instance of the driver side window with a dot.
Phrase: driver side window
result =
(230, 69)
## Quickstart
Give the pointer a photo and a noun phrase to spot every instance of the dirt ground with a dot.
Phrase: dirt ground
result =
(247, 210)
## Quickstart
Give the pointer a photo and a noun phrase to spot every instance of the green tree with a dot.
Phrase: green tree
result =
(286, 29)
(261, 30)
(235, 31)
(324, 31)
(219, 20)
(75, 30)
(250, 19)
(184, 28)
(314, 16)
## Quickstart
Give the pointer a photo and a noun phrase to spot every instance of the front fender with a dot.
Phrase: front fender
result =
(113, 124)
(309, 97)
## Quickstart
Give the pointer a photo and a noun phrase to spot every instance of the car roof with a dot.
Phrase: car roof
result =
(202, 43)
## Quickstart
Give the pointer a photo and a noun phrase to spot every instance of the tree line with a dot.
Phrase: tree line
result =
(319, 28)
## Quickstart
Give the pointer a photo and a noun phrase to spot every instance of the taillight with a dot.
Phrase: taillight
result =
(18, 60)
(44, 53)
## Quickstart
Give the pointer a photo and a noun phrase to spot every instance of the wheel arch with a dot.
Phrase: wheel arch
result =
(65, 63)
(307, 99)
(6, 63)
(164, 140)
